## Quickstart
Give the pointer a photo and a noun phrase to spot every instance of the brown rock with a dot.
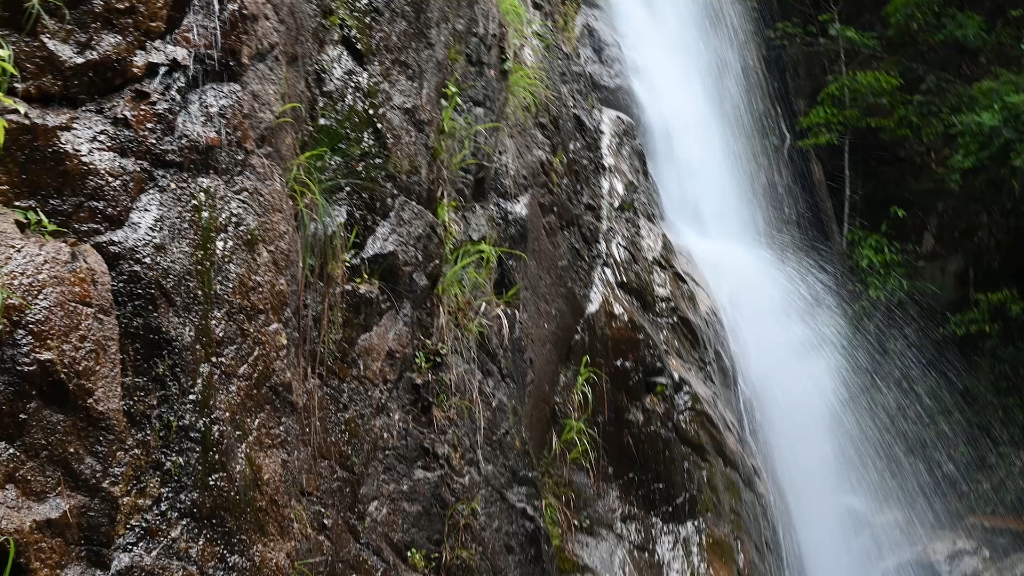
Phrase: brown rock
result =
(61, 421)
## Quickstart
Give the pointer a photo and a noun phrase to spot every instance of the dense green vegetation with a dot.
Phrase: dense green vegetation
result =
(916, 110)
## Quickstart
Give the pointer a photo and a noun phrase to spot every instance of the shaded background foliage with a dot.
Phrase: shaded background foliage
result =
(915, 111)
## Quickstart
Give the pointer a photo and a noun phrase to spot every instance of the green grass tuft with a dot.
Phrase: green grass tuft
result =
(459, 527)
(306, 185)
(34, 11)
(528, 85)
(466, 288)
(579, 437)
(517, 19)
(527, 90)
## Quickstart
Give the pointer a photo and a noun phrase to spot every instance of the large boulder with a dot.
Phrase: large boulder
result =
(61, 419)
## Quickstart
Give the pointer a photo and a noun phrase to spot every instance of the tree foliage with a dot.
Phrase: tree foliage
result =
(920, 104)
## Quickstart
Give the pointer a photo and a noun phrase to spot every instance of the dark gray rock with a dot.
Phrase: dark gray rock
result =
(604, 60)
(405, 250)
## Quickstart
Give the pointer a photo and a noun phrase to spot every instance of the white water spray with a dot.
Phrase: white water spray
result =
(719, 164)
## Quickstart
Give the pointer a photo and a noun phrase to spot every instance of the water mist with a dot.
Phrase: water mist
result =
(718, 156)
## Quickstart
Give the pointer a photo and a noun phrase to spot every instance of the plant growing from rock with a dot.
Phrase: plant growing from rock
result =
(420, 561)
(528, 85)
(458, 528)
(299, 568)
(459, 136)
(305, 185)
(567, 15)
(579, 437)
(5, 297)
(34, 11)
(527, 89)
(326, 252)
(576, 444)
(7, 72)
(430, 357)
(517, 19)
(467, 284)
(37, 223)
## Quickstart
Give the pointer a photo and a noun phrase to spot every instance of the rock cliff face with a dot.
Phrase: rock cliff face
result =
(329, 274)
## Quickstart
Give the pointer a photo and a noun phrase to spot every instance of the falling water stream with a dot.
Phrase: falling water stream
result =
(718, 155)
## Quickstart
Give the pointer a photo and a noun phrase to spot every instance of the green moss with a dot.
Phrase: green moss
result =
(205, 259)
(566, 563)
(721, 552)
(353, 18)
(567, 14)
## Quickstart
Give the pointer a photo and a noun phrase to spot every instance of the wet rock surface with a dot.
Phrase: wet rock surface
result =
(685, 496)
(237, 359)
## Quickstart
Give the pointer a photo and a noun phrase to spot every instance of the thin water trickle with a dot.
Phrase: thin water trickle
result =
(717, 153)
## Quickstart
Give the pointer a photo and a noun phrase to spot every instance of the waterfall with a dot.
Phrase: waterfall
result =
(717, 152)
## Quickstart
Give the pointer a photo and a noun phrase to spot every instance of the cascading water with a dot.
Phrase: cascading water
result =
(719, 162)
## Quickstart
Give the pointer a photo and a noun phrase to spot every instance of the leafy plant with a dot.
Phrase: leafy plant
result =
(326, 251)
(430, 357)
(557, 504)
(300, 568)
(527, 81)
(307, 187)
(281, 118)
(882, 265)
(7, 72)
(34, 11)
(10, 554)
(990, 312)
(466, 287)
(554, 519)
(860, 99)
(450, 231)
(420, 561)
(459, 136)
(558, 164)
(37, 223)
